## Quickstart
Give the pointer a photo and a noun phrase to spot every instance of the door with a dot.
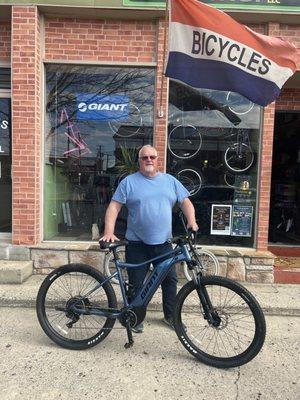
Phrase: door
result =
(285, 192)
(5, 167)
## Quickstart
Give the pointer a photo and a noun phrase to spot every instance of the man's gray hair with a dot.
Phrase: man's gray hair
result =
(147, 146)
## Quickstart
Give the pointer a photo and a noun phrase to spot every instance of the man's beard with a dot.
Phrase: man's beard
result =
(149, 168)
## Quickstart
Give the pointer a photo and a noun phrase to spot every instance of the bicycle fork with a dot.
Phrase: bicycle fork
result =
(210, 314)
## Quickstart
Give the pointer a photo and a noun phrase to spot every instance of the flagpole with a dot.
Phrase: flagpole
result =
(160, 110)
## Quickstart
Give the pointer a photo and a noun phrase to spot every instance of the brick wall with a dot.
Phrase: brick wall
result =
(161, 104)
(100, 40)
(5, 41)
(289, 100)
(26, 141)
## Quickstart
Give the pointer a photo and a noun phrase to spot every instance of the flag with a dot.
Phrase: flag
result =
(209, 49)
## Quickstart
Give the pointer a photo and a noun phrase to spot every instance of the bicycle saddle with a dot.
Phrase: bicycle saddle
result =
(112, 245)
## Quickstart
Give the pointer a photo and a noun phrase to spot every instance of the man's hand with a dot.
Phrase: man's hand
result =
(193, 226)
(109, 237)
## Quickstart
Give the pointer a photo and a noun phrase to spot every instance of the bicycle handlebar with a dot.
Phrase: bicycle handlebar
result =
(112, 245)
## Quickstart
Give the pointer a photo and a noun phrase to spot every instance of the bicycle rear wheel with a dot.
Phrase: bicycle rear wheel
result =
(62, 288)
(209, 264)
(109, 265)
(237, 332)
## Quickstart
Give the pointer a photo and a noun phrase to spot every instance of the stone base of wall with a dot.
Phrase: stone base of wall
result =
(246, 265)
(241, 264)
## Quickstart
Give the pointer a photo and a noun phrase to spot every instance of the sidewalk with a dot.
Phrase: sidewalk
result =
(275, 299)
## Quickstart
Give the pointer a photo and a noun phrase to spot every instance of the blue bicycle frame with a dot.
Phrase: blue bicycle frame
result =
(144, 296)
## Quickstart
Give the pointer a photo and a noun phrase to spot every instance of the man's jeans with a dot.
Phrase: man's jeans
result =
(136, 253)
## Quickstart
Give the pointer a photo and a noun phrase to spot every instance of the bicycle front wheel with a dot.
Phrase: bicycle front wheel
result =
(237, 332)
(64, 287)
(209, 264)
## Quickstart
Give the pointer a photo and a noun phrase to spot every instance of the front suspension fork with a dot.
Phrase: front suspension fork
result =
(210, 314)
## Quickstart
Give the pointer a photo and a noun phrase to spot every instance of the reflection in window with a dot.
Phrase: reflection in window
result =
(213, 146)
(96, 119)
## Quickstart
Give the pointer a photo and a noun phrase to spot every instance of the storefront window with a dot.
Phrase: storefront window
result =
(213, 149)
(96, 120)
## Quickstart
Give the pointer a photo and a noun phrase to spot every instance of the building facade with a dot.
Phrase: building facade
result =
(82, 88)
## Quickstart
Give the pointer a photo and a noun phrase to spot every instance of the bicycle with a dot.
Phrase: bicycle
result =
(209, 262)
(216, 319)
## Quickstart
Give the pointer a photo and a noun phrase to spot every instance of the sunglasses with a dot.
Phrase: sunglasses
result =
(145, 158)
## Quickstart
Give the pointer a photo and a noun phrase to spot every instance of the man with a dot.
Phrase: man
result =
(149, 196)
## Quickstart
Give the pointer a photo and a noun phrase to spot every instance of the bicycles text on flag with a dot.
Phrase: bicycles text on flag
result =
(209, 49)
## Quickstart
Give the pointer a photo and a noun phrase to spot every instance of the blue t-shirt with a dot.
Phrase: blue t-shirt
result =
(149, 202)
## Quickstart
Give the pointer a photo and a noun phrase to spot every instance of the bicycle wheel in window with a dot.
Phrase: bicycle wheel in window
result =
(235, 331)
(61, 289)
(191, 180)
(129, 125)
(209, 264)
(238, 104)
(239, 157)
(109, 265)
(184, 141)
(229, 180)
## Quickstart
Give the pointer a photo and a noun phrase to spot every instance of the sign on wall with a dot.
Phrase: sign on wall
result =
(102, 107)
(5, 126)
(293, 5)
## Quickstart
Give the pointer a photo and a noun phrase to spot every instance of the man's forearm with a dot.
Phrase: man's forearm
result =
(189, 212)
(110, 221)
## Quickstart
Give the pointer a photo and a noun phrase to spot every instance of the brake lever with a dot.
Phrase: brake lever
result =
(192, 235)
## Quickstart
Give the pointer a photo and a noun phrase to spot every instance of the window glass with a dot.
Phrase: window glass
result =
(96, 120)
(5, 77)
(213, 147)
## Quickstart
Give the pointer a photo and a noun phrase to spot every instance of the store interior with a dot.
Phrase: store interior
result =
(284, 228)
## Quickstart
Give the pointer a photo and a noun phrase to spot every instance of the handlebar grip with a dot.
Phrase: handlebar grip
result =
(231, 115)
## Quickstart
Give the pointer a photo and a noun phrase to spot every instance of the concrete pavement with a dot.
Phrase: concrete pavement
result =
(275, 299)
(157, 367)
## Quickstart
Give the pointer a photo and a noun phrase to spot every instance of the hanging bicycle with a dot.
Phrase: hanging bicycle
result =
(239, 156)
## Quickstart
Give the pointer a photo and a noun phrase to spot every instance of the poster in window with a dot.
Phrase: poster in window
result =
(242, 220)
(220, 219)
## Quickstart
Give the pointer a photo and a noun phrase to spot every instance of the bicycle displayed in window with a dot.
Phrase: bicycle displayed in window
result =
(216, 319)
(238, 155)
